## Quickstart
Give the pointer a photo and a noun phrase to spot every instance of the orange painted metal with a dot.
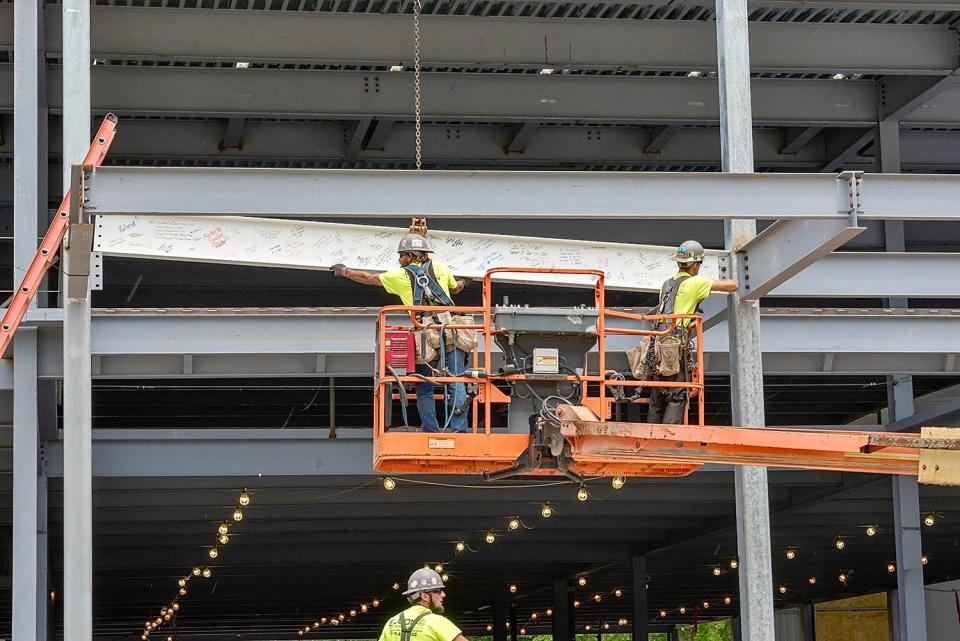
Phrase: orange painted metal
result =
(51, 242)
(484, 450)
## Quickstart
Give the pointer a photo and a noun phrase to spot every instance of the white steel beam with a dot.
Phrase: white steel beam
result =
(304, 193)
(183, 91)
(344, 38)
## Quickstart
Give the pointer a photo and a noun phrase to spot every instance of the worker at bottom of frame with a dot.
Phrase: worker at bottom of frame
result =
(682, 293)
(420, 280)
(423, 620)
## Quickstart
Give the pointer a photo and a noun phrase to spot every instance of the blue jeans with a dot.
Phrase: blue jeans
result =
(456, 363)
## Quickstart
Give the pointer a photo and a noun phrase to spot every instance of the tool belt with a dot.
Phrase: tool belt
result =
(429, 341)
(660, 356)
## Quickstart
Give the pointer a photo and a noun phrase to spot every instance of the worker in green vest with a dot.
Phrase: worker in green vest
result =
(423, 620)
(682, 293)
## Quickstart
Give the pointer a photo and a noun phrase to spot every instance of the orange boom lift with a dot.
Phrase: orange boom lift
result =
(549, 376)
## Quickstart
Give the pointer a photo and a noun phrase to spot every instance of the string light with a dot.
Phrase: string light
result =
(843, 577)
(930, 520)
(438, 568)
(534, 616)
(840, 543)
(597, 598)
(791, 554)
(706, 605)
(461, 546)
(783, 589)
(582, 581)
(683, 610)
(549, 612)
(606, 626)
(618, 482)
(523, 630)
(622, 621)
(663, 614)
(196, 570)
(891, 568)
(181, 582)
(872, 530)
(812, 580)
(207, 573)
(490, 537)
(181, 592)
(727, 600)
(924, 560)
(213, 553)
(238, 515)
(363, 607)
(376, 603)
(734, 564)
(583, 494)
(489, 628)
(513, 524)
(717, 571)
(618, 593)
(223, 539)
(445, 577)
(587, 627)
(389, 484)
(353, 613)
(513, 589)
(244, 499)
(576, 603)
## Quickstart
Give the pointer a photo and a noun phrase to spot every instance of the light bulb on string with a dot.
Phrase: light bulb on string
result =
(396, 586)
(341, 617)
(438, 568)
(490, 537)
(734, 564)
(513, 589)
(871, 530)
(812, 580)
(445, 577)
(582, 581)
(618, 593)
(924, 560)
(182, 591)
(727, 600)
(196, 570)
(929, 520)
(181, 582)
(840, 543)
(223, 528)
(622, 622)
(353, 613)
(207, 573)
(783, 589)
(618, 482)
(549, 612)
(791, 554)
(683, 610)
(576, 603)
(238, 515)
(244, 499)
(587, 627)
(213, 553)
(316, 624)
(513, 524)
(534, 616)
(461, 546)
(891, 568)
(175, 606)
(389, 484)
(323, 620)
(489, 628)
(606, 626)
(223, 539)
(843, 577)
(582, 494)
(523, 630)
(663, 614)
(597, 598)
(546, 510)
(376, 603)
(706, 605)
(166, 617)
(717, 571)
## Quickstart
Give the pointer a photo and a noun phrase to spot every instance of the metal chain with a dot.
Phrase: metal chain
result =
(416, 82)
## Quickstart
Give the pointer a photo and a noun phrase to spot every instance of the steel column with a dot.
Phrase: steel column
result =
(514, 632)
(77, 401)
(808, 620)
(560, 621)
(746, 370)
(638, 623)
(25, 487)
(911, 609)
(500, 620)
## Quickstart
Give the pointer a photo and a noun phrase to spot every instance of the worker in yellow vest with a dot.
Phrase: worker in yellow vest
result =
(423, 620)
(682, 293)
(421, 280)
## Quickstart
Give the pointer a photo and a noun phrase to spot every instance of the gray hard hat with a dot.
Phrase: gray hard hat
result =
(414, 243)
(689, 252)
(423, 580)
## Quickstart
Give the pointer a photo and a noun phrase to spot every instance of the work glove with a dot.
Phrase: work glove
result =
(464, 281)
(339, 270)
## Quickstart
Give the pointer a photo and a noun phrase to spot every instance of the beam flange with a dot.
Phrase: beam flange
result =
(786, 248)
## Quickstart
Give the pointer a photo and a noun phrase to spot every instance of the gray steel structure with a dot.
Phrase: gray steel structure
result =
(245, 107)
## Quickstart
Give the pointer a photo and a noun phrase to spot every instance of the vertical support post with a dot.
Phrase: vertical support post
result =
(514, 626)
(560, 621)
(43, 557)
(746, 370)
(500, 620)
(25, 452)
(808, 621)
(911, 608)
(77, 410)
(639, 625)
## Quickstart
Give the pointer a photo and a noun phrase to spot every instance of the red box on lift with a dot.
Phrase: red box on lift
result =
(400, 351)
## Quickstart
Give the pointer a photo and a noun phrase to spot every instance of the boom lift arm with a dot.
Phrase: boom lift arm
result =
(52, 240)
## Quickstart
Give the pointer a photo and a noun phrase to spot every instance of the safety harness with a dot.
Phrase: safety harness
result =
(668, 299)
(424, 282)
(407, 626)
